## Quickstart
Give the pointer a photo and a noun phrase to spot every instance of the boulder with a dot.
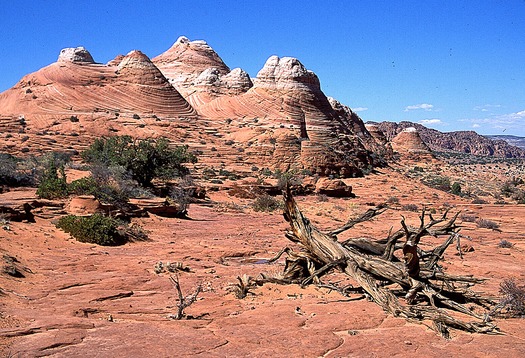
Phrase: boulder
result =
(334, 188)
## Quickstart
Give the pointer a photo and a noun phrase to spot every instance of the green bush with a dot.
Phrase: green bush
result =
(144, 159)
(437, 182)
(104, 191)
(52, 185)
(95, 229)
(456, 188)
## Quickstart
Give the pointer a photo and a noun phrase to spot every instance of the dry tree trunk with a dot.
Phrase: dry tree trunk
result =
(429, 293)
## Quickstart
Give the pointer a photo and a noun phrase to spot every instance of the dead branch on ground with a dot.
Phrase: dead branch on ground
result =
(412, 284)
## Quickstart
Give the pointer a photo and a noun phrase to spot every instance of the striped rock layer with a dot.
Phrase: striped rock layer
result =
(280, 119)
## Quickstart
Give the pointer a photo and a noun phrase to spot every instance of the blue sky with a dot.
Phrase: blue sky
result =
(451, 65)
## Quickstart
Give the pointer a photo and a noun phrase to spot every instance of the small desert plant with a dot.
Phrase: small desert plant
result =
(95, 229)
(479, 201)
(322, 198)
(468, 218)
(287, 179)
(266, 203)
(438, 182)
(108, 190)
(410, 207)
(504, 244)
(11, 174)
(393, 200)
(487, 224)
(512, 299)
(242, 288)
(456, 188)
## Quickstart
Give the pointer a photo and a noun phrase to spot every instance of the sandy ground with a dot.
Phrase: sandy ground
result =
(83, 300)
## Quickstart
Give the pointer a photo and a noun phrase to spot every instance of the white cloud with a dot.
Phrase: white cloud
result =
(513, 122)
(360, 109)
(486, 107)
(434, 121)
(425, 106)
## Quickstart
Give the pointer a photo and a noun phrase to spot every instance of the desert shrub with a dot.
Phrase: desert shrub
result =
(322, 198)
(437, 182)
(456, 188)
(144, 159)
(95, 229)
(410, 207)
(83, 186)
(182, 195)
(512, 298)
(479, 201)
(287, 179)
(104, 191)
(229, 175)
(468, 218)
(519, 196)
(487, 224)
(11, 174)
(266, 203)
(504, 244)
(53, 183)
(393, 200)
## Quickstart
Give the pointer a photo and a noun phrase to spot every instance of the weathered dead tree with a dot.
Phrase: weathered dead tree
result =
(412, 286)
(184, 302)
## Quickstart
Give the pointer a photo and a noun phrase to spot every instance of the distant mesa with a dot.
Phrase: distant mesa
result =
(460, 141)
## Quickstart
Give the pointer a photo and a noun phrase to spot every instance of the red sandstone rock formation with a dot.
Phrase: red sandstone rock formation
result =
(409, 144)
(281, 119)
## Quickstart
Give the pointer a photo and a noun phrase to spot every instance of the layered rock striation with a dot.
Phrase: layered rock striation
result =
(280, 119)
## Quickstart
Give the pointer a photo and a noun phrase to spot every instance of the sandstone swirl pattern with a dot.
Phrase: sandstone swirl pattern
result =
(281, 119)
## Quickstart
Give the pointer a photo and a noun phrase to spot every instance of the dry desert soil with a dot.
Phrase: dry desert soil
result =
(83, 300)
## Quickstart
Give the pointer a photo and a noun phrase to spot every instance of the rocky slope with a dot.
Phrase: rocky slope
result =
(408, 144)
(461, 141)
(281, 119)
(511, 139)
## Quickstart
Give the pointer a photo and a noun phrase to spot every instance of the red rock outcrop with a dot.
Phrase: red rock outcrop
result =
(293, 124)
(460, 141)
(280, 120)
(409, 144)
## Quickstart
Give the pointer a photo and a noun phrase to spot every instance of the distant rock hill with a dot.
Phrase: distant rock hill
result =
(511, 139)
(280, 120)
(461, 141)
